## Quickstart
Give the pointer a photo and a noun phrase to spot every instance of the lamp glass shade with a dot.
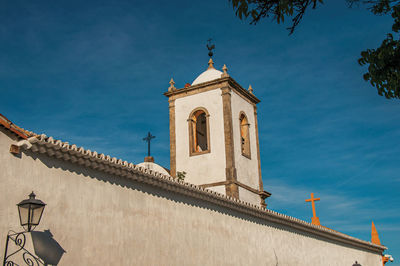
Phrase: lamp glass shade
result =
(30, 211)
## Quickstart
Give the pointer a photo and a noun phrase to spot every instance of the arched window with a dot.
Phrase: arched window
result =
(244, 135)
(199, 132)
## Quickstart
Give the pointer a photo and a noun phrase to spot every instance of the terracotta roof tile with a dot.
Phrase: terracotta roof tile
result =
(20, 132)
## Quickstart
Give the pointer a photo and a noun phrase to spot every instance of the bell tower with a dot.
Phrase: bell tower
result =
(214, 135)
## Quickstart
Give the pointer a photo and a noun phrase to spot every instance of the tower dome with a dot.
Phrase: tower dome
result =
(210, 74)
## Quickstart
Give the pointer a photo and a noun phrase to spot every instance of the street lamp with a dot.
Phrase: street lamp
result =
(30, 211)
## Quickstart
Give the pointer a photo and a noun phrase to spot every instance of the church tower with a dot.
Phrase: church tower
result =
(214, 135)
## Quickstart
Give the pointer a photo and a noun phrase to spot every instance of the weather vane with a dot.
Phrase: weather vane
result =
(210, 48)
(148, 139)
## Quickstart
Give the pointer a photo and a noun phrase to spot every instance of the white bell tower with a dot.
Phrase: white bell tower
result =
(214, 135)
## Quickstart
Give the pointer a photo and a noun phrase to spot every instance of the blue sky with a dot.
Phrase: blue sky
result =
(93, 72)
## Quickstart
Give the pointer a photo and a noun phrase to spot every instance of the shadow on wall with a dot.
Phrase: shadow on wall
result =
(46, 247)
(158, 192)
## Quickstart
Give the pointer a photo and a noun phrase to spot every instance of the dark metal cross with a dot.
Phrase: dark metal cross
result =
(148, 139)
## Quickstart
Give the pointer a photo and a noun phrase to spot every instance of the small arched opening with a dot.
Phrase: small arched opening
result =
(244, 135)
(199, 136)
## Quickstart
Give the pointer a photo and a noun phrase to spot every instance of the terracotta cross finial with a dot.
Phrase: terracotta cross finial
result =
(374, 235)
(171, 83)
(225, 74)
(314, 219)
(250, 89)
(210, 63)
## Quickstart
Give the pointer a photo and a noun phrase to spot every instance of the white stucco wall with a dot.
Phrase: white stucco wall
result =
(219, 189)
(247, 169)
(249, 196)
(102, 219)
(204, 168)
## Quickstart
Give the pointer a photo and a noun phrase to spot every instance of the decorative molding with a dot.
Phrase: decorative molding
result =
(78, 155)
(253, 190)
(215, 184)
(250, 89)
(210, 64)
(225, 72)
(228, 182)
(260, 181)
(211, 85)
(230, 170)
(172, 137)
(172, 85)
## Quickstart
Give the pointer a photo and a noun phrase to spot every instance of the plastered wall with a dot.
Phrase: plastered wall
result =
(203, 168)
(247, 168)
(100, 219)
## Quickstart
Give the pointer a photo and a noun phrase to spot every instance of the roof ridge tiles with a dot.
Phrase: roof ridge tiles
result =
(19, 131)
(116, 166)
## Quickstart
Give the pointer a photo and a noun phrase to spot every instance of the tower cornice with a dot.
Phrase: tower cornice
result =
(211, 85)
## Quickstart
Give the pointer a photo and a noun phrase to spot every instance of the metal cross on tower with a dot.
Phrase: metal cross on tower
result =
(148, 139)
